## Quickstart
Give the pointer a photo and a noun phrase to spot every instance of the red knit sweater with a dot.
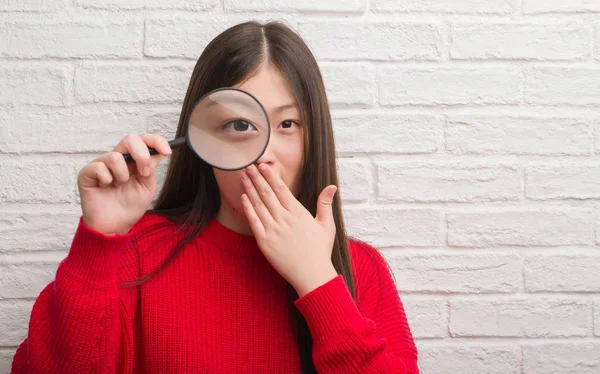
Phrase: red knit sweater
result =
(219, 307)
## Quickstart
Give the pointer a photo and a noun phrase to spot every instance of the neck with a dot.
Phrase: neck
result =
(233, 219)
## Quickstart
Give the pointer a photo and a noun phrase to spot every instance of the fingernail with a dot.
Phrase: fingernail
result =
(146, 171)
(262, 167)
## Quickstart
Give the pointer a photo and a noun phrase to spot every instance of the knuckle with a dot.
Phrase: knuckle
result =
(114, 157)
(95, 166)
(258, 204)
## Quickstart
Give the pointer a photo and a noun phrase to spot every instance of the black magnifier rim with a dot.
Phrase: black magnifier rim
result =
(187, 133)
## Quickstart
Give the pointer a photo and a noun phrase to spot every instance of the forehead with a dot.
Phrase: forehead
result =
(270, 87)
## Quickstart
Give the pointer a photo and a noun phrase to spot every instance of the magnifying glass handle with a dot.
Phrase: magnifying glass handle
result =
(175, 143)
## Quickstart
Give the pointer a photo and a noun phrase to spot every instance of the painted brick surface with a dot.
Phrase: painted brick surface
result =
(467, 134)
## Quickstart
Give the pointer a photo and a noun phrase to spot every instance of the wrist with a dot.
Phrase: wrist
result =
(315, 280)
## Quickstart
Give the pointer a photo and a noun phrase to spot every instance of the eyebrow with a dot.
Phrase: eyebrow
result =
(285, 107)
(245, 103)
(231, 100)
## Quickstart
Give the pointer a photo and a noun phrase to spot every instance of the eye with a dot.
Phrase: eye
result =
(239, 125)
(288, 124)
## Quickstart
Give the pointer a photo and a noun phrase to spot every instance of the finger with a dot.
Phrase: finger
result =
(103, 175)
(135, 146)
(117, 166)
(255, 223)
(159, 143)
(265, 192)
(95, 174)
(325, 206)
(259, 206)
(281, 190)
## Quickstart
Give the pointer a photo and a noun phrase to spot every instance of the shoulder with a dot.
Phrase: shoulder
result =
(365, 258)
(153, 239)
(150, 221)
(153, 227)
(369, 267)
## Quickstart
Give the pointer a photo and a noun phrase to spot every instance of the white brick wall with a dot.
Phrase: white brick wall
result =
(468, 133)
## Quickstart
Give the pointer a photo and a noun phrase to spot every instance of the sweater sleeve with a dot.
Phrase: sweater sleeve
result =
(76, 324)
(345, 340)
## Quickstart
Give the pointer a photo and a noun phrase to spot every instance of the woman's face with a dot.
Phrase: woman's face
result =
(284, 153)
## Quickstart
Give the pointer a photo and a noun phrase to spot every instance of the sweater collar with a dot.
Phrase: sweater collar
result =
(229, 240)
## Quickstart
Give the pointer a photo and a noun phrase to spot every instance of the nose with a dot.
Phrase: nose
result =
(268, 156)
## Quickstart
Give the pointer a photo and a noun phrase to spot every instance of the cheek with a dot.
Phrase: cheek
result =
(292, 158)
(230, 187)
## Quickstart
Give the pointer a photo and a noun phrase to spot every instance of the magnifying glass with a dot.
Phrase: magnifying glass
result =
(228, 128)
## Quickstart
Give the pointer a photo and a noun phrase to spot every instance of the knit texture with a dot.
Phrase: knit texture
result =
(218, 307)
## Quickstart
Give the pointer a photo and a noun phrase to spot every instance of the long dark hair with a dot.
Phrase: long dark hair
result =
(190, 194)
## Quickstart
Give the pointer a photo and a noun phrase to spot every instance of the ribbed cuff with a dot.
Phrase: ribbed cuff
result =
(95, 256)
(328, 309)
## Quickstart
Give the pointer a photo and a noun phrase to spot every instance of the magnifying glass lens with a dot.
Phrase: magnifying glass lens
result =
(228, 129)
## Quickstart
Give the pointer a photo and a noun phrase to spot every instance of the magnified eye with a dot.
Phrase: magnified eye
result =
(239, 125)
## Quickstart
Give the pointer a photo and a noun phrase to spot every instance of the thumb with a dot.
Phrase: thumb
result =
(324, 205)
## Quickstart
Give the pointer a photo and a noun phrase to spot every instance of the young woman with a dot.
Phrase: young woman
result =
(246, 271)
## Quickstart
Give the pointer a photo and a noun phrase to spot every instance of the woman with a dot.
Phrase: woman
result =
(232, 271)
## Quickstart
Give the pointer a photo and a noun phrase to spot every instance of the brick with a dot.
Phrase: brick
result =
(14, 322)
(460, 273)
(70, 40)
(31, 6)
(148, 4)
(145, 83)
(26, 279)
(386, 133)
(597, 43)
(427, 318)
(447, 86)
(37, 230)
(572, 273)
(446, 6)
(344, 40)
(37, 181)
(569, 357)
(470, 358)
(446, 182)
(597, 317)
(292, 5)
(519, 228)
(37, 85)
(163, 124)
(6, 358)
(485, 41)
(531, 318)
(72, 130)
(562, 182)
(517, 135)
(350, 84)
(562, 85)
(558, 6)
(395, 226)
(355, 179)
(184, 38)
